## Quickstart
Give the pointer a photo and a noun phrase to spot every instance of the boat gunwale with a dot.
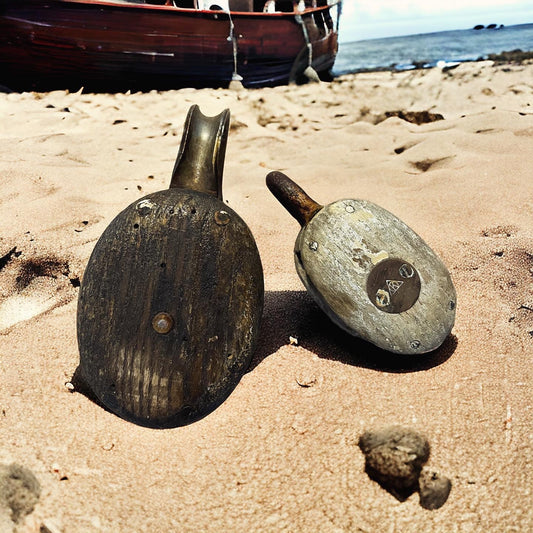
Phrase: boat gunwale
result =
(177, 10)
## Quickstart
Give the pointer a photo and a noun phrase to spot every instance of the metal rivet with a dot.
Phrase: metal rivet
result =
(144, 207)
(162, 323)
(313, 246)
(222, 218)
(415, 345)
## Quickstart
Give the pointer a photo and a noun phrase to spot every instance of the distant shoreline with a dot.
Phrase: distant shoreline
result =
(434, 33)
(516, 57)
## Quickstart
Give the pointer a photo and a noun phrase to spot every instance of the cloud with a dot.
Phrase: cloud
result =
(391, 10)
(368, 19)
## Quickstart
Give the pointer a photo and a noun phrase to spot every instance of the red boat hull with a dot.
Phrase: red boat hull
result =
(119, 46)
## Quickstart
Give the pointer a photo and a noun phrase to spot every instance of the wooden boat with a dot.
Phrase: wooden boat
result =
(118, 45)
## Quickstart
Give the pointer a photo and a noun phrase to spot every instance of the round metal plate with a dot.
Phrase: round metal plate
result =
(169, 308)
(393, 285)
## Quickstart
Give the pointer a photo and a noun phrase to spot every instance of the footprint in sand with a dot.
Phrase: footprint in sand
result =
(508, 253)
(499, 231)
(32, 286)
(426, 164)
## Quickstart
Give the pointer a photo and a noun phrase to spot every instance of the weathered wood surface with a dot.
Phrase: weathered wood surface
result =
(172, 297)
(185, 254)
(374, 276)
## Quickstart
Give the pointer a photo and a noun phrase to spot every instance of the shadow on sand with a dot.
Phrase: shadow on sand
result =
(294, 313)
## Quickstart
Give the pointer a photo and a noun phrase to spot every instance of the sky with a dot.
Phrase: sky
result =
(372, 19)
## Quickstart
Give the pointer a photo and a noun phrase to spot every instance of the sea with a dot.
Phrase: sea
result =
(430, 49)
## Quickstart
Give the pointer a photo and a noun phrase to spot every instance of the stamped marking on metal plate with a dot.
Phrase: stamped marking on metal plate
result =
(382, 298)
(406, 271)
(393, 285)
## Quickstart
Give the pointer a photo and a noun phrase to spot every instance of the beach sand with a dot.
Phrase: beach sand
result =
(281, 453)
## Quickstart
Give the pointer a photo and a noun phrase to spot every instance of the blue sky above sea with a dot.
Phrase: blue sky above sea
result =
(374, 19)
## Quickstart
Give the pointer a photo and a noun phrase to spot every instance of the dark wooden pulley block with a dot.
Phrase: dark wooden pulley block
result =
(171, 300)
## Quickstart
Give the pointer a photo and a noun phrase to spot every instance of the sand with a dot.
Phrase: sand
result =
(281, 453)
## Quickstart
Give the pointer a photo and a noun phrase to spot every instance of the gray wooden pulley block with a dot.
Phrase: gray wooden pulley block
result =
(369, 272)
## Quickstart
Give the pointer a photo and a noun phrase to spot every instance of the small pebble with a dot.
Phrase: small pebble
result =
(19, 490)
(434, 489)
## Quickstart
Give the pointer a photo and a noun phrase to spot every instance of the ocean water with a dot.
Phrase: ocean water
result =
(428, 49)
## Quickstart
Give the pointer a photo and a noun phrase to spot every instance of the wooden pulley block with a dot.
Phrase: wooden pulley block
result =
(171, 300)
(369, 272)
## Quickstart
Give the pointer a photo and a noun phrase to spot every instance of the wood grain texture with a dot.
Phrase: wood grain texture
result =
(338, 249)
(186, 254)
